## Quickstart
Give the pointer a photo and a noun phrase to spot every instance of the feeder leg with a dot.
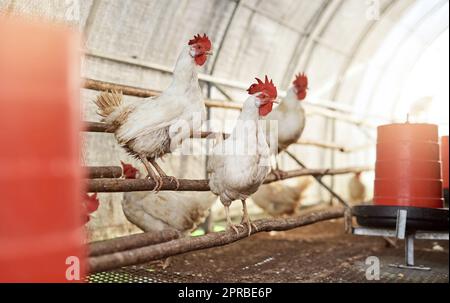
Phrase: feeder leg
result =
(409, 250)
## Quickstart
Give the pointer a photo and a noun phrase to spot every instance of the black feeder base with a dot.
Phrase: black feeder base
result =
(446, 197)
(386, 216)
(402, 222)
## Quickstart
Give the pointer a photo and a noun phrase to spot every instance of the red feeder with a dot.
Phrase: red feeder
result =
(41, 234)
(444, 158)
(408, 171)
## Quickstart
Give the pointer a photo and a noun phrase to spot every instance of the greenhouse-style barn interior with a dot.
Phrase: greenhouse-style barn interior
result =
(224, 141)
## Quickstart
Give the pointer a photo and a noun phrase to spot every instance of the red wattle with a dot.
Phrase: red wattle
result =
(301, 94)
(200, 60)
(265, 109)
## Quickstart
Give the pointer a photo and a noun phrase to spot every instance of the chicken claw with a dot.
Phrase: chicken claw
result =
(158, 182)
(163, 174)
(233, 227)
(249, 224)
(151, 174)
(174, 179)
(279, 174)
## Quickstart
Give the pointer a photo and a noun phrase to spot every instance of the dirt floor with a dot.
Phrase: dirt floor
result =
(315, 253)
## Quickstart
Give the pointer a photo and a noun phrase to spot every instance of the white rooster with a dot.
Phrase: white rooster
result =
(155, 126)
(177, 211)
(290, 116)
(239, 164)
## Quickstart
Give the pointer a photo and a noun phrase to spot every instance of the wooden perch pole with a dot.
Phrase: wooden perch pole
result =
(130, 242)
(127, 185)
(99, 127)
(145, 93)
(98, 172)
(187, 244)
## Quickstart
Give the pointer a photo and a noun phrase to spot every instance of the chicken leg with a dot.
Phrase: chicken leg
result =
(163, 174)
(246, 219)
(151, 174)
(229, 223)
(277, 172)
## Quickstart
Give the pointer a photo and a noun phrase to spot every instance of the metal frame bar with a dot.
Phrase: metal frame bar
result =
(401, 233)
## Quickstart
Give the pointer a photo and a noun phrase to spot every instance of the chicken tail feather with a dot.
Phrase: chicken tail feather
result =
(107, 102)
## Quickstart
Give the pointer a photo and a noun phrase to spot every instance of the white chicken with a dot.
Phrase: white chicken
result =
(177, 211)
(239, 164)
(290, 116)
(155, 126)
(356, 189)
(278, 199)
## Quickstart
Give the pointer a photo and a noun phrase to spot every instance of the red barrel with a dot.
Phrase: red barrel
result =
(41, 230)
(444, 158)
(408, 170)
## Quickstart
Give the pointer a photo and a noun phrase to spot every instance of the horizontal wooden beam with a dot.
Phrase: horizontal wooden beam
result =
(98, 172)
(99, 127)
(145, 93)
(183, 245)
(129, 242)
(128, 185)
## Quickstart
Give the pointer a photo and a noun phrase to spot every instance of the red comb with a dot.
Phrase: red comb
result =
(301, 81)
(91, 204)
(204, 40)
(267, 86)
(129, 171)
(301, 84)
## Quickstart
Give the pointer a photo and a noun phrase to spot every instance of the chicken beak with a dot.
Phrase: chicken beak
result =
(276, 101)
(209, 53)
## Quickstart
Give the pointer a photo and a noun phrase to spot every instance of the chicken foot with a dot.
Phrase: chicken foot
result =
(151, 174)
(246, 219)
(229, 223)
(277, 172)
(163, 174)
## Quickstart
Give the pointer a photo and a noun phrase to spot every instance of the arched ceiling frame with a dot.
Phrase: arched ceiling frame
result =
(291, 70)
(356, 48)
(322, 24)
(412, 30)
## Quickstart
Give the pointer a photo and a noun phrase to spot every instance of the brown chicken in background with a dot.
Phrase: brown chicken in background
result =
(356, 189)
(278, 199)
(177, 211)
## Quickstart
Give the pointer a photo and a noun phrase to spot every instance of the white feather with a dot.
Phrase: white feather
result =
(239, 164)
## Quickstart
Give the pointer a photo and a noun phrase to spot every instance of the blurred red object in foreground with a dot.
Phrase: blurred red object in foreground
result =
(41, 228)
